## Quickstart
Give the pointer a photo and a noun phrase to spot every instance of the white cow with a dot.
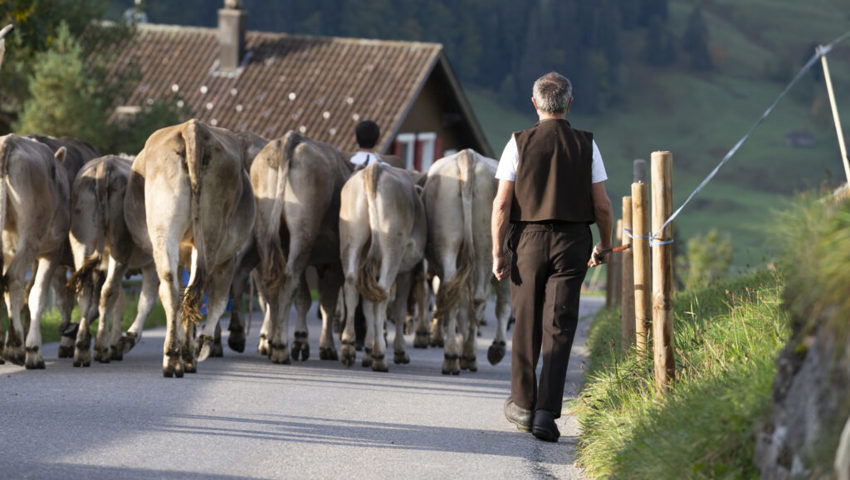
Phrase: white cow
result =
(103, 251)
(34, 221)
(458, 199)
(188, 193)
(382, 231)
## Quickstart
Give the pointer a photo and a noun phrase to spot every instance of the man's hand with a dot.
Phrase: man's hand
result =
(597, 257)
(501, 267)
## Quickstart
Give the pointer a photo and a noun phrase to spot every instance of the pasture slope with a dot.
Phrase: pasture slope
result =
(757, 46)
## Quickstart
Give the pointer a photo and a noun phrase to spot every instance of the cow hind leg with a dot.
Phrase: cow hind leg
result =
(236, 339)
(348, 352)
(14, 349)
(108, 298)
(37, 301)
(436, 336)
(403, 284)
(496, 352)
(147, 300)
(300, 347)
(217, 301)
(468, 328)
(329, 293)
(65, 303)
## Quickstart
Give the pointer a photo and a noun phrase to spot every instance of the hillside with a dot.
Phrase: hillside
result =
(757, 46)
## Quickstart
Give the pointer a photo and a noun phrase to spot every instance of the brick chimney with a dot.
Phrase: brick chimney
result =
(231, 35)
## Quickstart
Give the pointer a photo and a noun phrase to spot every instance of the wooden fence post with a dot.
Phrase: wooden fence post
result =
(642, 265)
(627, 274)
(662, 269)
(614, 265)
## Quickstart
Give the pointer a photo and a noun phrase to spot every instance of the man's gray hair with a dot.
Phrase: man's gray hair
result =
(552, 92)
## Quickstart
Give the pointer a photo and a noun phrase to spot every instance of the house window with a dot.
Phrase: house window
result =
(405, 147)
(417, 150)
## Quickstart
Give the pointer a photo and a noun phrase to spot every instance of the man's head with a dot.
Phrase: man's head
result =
(367, 133)
(552, 94)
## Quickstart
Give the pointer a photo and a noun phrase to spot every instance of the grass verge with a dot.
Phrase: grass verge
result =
(51, 319)
(727, 337)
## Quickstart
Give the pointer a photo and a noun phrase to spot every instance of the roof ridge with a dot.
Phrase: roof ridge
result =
(357, 40)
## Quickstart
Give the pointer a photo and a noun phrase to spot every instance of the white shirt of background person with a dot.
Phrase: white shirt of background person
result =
(510, 159)
(365, 159)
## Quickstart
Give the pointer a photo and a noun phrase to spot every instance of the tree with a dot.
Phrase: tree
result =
(695, 41)
(707, 259)
(64, 98)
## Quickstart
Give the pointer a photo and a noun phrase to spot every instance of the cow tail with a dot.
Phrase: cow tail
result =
(5, 149)
(458, 286)
(370, 261)
(84, 275)
(270, 248)
(193, 295)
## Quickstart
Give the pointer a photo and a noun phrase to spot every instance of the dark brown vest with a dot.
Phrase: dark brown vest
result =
(554, 174)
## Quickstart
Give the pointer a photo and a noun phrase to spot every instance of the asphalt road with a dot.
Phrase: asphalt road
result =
(242, 417)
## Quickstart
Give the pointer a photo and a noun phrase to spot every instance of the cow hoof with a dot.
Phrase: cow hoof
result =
(207, 347)
(190, 367)
(380, 364)
(328, 353)
(263, 347)
(421, 340)
(367, 358)
(189, 360)
(348, 355)
(279, 354)
(496, 352)
(116, 352)
(128, 341)
(217, 350)
(101, 354)
(401, 358)
(82, 357)
(300, 348)
(34, 359)
(66, 347)
(469, 363)
(172, 367)
(14, 354)
(451, 365)
(236, 340)
(437, 342)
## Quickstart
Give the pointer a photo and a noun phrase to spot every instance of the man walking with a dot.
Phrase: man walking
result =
(551, 188)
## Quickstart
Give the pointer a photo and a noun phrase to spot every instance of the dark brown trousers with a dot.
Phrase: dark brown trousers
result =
(548, 266)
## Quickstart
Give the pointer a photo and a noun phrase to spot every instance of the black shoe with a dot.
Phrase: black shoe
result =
(544, 426)
(521, 417)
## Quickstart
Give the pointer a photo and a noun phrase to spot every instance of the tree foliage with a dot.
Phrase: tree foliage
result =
(695, 41)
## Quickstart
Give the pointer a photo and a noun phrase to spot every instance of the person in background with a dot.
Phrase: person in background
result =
(367, 133)
(551, 188)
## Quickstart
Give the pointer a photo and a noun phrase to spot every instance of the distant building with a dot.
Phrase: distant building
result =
(269, 83)
(800, 138)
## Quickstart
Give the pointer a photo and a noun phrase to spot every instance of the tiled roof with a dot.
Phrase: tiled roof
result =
(320, 86)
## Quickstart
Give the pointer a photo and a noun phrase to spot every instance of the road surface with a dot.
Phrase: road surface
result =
(242, 417)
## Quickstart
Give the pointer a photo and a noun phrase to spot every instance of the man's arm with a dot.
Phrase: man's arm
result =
(499, 226)
(604, 222)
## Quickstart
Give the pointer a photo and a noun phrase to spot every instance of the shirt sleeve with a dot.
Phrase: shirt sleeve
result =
(598, 168)
(508, 162)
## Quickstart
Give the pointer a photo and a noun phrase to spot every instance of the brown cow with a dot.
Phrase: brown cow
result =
(297, 183)
(34, 221)
(382, 232)
(458, 200)
(77, 153)
(189, 193)
(103, 251)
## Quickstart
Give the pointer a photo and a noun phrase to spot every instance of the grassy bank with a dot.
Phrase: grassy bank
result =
(727, 337)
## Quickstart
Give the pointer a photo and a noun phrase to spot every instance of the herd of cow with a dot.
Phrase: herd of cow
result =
(226, 207)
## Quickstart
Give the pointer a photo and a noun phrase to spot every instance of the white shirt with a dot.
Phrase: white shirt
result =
(510, 159)
(365, 159)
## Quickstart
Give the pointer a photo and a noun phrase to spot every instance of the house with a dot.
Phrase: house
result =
(269, 83)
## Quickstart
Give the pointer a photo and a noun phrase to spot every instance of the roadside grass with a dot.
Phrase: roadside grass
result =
(726, 340)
